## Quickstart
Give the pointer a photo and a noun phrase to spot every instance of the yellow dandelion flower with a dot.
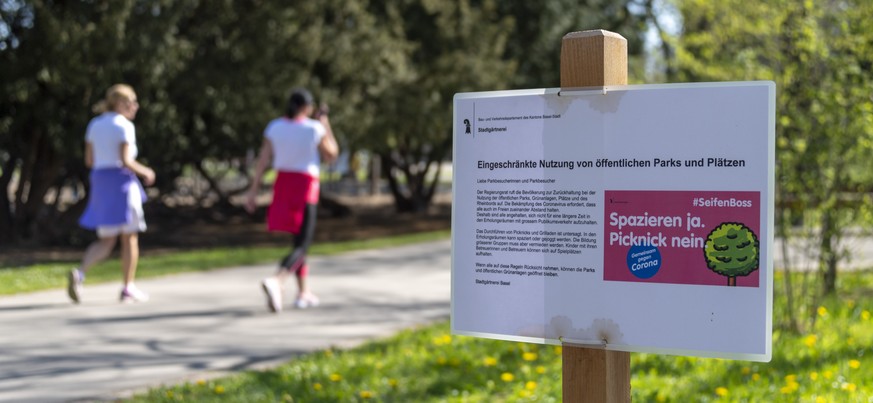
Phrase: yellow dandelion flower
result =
(169, 394)
(849, 387)
(822, 311)
(317, 386)
(524, 393)
(529, 356)
(721, 391)
(490, 361)
(507, 377)
(854, 364)
(865, 315)
(558, 350)
(540, 369)
(828, 374)
(756, 377)
(746, 370)
(821, 399)
(392, 383)
(530, 385)
(442, 340)
(810, 340)
(201, 382)
(660, 398)
(785, 390)
(790, 378)
(813, 375)
(336, 377)
(219, 389)
(366, 394)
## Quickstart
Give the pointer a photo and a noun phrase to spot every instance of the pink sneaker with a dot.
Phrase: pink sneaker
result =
(133, 294)
(306, 300)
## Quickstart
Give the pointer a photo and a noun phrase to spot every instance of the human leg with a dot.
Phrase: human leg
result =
(129, 256)
(294, 262)
(96, 252)
(305, 298)
(129, 261)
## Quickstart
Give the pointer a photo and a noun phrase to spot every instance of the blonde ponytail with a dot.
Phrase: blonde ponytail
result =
(114, 96)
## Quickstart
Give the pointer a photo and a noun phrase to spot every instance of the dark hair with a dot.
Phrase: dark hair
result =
(299, 99)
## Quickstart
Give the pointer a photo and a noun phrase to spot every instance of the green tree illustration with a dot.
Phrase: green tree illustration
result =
(731, 250)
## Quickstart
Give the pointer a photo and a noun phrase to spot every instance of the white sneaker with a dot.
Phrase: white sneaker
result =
(274, 294)
(306, 300)
(74, 285)
(133, 294)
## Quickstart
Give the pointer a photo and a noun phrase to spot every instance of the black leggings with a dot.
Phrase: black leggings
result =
(295, 260)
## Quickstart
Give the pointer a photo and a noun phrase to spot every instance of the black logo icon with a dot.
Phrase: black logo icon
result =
(467, 123)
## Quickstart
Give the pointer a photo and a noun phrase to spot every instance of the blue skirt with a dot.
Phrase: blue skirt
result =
(108, 200)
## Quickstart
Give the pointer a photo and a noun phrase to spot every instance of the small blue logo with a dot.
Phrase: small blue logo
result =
(644, 261)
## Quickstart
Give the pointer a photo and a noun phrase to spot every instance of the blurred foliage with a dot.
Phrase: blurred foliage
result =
(819, 55)
(209, 75)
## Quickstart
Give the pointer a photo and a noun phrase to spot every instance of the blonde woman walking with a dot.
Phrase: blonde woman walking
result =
(116, 196)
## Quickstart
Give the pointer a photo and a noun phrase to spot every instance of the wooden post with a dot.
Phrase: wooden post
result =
(594, 59)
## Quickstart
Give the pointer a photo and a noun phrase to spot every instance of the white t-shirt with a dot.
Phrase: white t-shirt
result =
(106, 133)
(295, 144)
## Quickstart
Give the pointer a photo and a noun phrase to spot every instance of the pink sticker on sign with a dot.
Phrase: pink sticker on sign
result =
(682, 237)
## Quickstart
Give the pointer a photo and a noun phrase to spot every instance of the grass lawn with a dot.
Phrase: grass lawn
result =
(831, 363)
(38, 277)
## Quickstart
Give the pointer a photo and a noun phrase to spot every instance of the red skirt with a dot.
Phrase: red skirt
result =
(291, 193)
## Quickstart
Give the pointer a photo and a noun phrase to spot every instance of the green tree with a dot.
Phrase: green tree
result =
(209, 76)
(731, 250)
(455, 47)
(818, 53)
(538, 26)
(56, 60)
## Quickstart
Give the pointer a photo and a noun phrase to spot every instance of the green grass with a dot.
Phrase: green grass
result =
(831, 363)
(47, 276)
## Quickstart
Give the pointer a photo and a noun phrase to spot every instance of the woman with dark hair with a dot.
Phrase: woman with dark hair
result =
(296, 144)
(115, 200)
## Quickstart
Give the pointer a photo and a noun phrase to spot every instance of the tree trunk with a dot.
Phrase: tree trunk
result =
(784, 229)
(732, 281)
(828, 246)
(39, 170)
(415, 198)
(7, 226)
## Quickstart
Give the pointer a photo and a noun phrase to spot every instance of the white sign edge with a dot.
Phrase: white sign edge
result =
(771, 190)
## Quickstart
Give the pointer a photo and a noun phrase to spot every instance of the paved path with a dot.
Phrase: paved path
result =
(201, 325)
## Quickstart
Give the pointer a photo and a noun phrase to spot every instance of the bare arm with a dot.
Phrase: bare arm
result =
(147, 174)
(264, 157)
(328, 147)
(89, 154)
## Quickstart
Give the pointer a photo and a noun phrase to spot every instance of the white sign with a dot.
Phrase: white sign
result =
(634, 218)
